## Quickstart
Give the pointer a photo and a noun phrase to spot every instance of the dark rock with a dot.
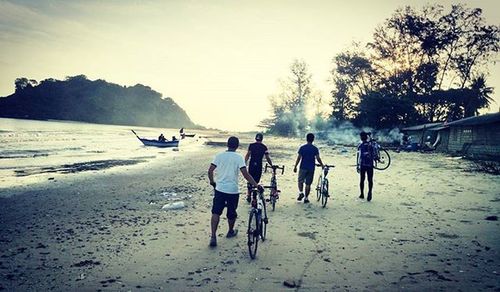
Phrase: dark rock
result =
(290, 283)
(86, 263)
(41, 245)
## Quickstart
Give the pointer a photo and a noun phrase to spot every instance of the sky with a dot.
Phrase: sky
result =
(219, 60)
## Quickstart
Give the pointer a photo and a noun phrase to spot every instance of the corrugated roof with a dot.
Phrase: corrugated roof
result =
(439, 128)
(421, 127)
(479, 120)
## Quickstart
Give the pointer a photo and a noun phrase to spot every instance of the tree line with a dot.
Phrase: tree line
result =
(425, 65)
(79, 99)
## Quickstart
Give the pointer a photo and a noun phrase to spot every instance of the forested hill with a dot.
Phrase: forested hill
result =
(80, 99)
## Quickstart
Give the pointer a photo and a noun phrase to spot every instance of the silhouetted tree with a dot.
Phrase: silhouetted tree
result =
(23, 82)
(480, 98)
(415, 56)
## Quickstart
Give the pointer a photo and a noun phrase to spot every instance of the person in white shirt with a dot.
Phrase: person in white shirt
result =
(226, 166)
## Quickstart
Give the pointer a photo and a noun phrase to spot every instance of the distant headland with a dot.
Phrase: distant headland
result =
(79, 99)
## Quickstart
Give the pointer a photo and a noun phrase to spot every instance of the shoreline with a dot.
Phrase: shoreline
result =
(424, 229)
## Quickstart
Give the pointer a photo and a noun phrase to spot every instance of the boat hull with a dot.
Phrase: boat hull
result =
(156, 143)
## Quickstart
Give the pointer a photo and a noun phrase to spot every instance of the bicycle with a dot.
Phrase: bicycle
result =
(322, 192)
(384, 159)
(257, 221)
(274, 193)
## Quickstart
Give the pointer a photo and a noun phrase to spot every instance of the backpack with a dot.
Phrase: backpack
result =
(366, 154)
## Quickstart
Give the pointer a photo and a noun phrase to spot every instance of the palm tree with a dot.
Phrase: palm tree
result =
(480, 98)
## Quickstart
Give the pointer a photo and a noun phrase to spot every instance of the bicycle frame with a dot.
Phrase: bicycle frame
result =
(274, 192)
(323, 185)
(257, 212)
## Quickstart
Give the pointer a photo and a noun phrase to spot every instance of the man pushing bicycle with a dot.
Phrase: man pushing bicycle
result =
(307, 156)
(226, 166)
(256, 152)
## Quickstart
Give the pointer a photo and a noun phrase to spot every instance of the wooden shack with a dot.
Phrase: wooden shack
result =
(476, 137)
(420, 133)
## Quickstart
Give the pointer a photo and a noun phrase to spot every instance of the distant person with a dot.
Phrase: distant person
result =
(406, 139)
(226, 194)
(256, 152)
(173, 138)
(367, 154)
(162, 138)
(181, 133)
(307, 156)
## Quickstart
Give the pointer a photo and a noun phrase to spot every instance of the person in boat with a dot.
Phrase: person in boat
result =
(253, 158)
(173, 138)
(162, 138)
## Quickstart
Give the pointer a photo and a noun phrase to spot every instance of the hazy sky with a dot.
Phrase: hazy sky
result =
(219, 60)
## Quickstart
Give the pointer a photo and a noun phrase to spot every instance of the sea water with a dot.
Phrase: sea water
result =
(35, 151)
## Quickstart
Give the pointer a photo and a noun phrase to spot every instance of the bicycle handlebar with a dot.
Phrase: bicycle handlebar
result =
(261, 188)
(326, 165)
(274, 167)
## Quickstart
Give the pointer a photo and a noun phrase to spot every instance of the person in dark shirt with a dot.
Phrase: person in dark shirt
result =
(307, 156)
(162, 138)
(256, 152)
(364, 164)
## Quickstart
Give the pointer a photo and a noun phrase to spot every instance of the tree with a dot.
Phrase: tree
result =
(289, 105)
(384, 111)
(480, 97)
(22, 82)
(352, 76)
(468, 41)
(428, 57)
(342, 105)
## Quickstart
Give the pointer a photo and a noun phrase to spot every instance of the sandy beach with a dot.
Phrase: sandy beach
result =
(426, 229)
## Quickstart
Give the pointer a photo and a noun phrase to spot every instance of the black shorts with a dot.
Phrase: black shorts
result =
(306, 175)
(256, 172)
(222, 200)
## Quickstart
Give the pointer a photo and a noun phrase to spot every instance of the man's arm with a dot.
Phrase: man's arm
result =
(211, 174)
(247, 156)
(248, 177)
(357, 161)
(268, 158)
(299, 157)
(319, 160)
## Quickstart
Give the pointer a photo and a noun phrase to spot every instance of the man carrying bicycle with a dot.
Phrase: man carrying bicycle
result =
(256, 152)
(367, 154)
(226, 194)
(307, 156)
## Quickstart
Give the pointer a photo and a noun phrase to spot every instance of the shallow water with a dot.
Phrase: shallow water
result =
(33, 151)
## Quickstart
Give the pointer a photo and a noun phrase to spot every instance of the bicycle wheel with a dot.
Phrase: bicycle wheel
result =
(253, 234)
(263, 221)
(384, 160)
(325, 194)
(272, 194)
(318, 188)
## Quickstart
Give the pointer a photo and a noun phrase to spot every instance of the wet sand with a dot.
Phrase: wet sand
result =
(426, 228)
